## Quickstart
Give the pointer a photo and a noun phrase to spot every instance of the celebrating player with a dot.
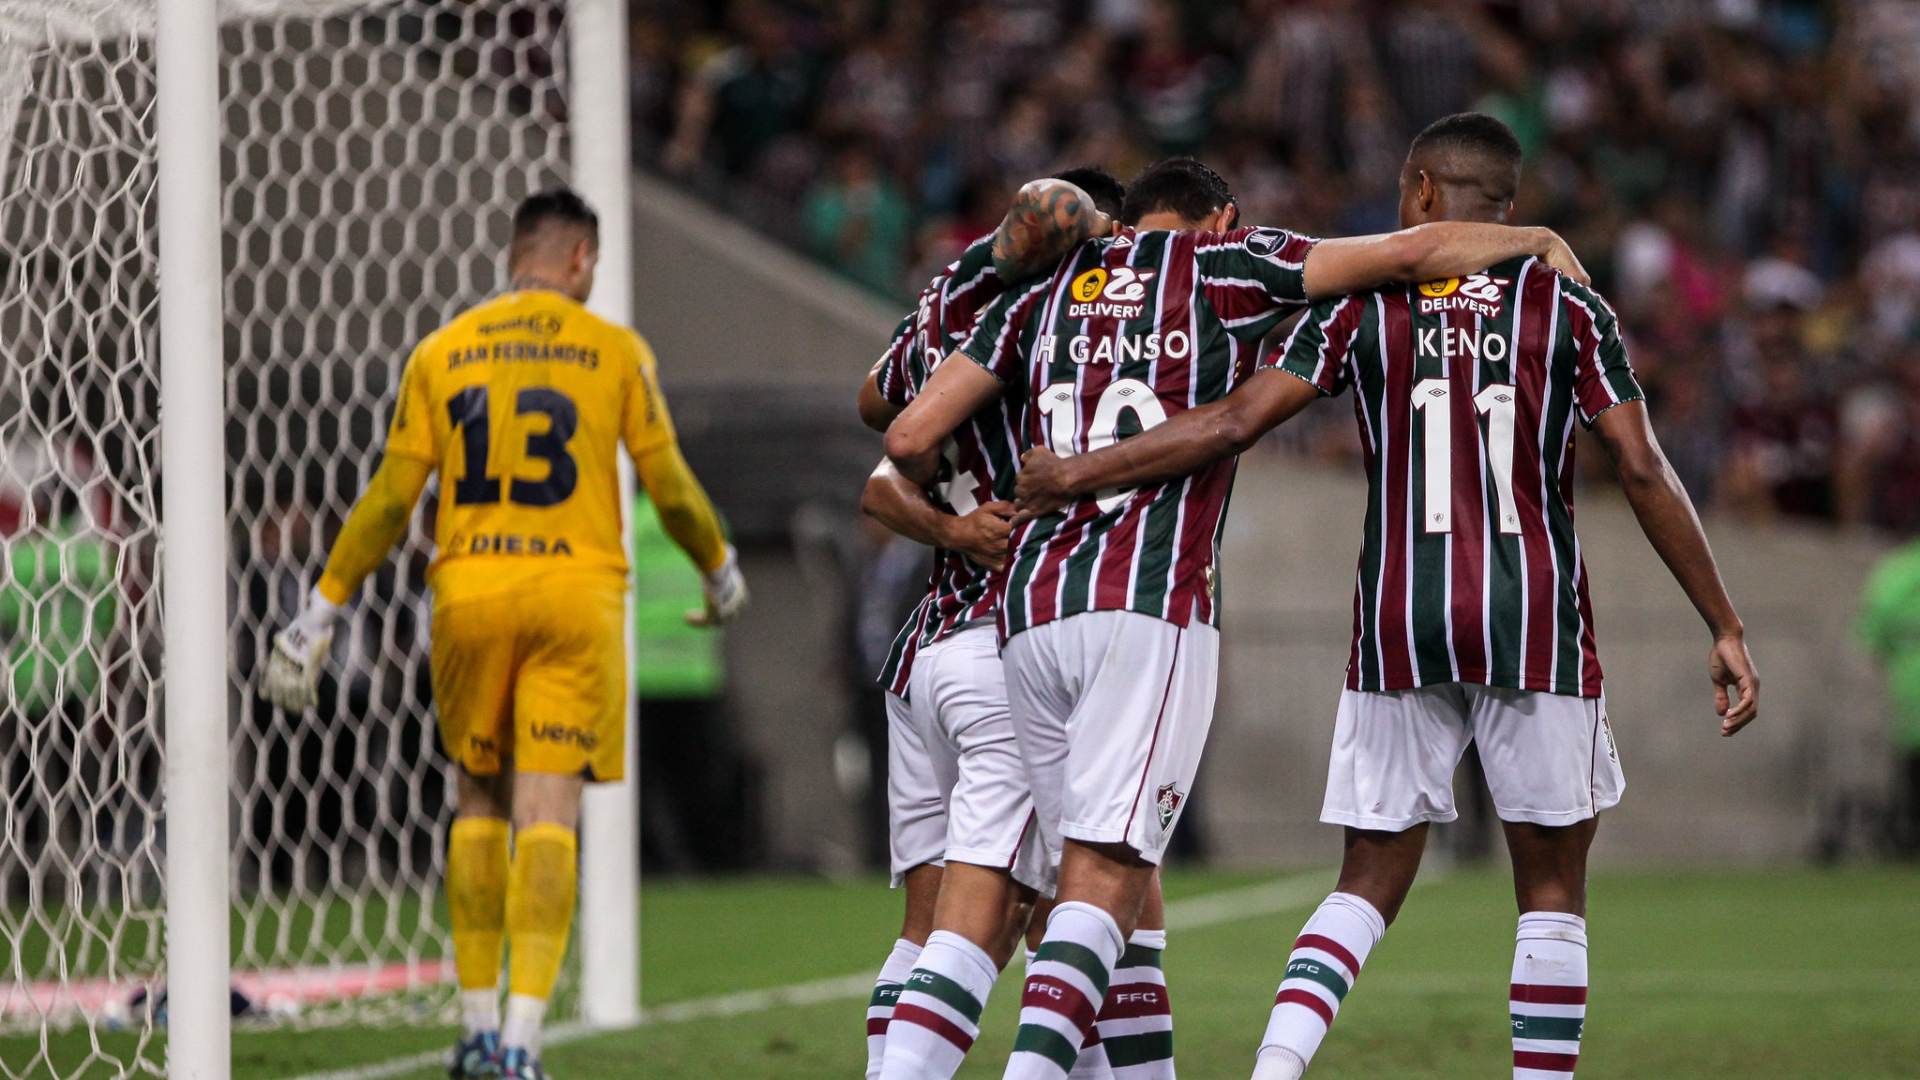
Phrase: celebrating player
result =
(1111, 653)
(1471, 620)
(520, 404)
(961, 825)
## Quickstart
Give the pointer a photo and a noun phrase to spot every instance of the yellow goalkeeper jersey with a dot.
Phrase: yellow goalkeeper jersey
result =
(521, 404)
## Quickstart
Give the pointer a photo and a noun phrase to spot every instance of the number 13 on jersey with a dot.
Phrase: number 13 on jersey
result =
(1432, 401)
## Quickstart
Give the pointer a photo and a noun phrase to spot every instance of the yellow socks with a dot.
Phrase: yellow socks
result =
(477, 909)
(540, 894)
(527, 900)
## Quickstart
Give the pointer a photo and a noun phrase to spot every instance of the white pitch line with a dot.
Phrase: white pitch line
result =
(1252, 901)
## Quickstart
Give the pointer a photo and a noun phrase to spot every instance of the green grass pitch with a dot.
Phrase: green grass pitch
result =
(1778, 974)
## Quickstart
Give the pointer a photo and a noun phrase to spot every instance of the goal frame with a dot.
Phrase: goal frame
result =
(194, 529)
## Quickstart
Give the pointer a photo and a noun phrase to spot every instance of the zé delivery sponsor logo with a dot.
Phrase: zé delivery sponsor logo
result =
(1478, 294)
(1114, 294)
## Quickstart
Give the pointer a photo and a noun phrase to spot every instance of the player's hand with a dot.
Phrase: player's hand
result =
(726, 590)
(293, 668)
(1042, 486)
(1561, 258)
(1732, 670)
(982, 534)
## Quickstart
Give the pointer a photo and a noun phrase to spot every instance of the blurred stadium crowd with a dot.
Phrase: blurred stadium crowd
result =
(1740, 175)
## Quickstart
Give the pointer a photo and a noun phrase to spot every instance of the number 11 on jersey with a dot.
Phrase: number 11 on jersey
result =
(1496, 402)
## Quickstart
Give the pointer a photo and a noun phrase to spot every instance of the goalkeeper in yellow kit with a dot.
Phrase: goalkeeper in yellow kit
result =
(520, 404)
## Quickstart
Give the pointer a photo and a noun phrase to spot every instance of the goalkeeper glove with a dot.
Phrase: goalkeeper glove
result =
(293, 669)
(726, 590)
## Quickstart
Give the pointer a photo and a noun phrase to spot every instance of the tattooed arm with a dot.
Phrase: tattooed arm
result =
(1047, 219)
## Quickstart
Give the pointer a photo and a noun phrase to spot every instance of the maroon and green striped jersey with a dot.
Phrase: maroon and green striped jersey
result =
(1128, 331)
(980, 456)
(1466, 391)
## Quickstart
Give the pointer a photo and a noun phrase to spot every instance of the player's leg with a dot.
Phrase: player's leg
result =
(1552, 767)
(1112, 711)
(1548, 1000)
(959, 693)
(542, 887)
(1390, 775)
(472, 683)
(1133, 1035)
(569, 727)
(478, 854)
(917, 842)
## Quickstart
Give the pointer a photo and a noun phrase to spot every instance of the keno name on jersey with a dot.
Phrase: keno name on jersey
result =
(1478, 294)
(1450, 342)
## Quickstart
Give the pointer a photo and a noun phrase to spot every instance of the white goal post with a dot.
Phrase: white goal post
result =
(223, 224)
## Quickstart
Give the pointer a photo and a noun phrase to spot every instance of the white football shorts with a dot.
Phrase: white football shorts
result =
(1112, 710)
(1549, 758)
(956, 787)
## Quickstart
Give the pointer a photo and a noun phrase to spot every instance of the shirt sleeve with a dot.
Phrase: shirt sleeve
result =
(997, 335)
(1603, 376)
(891, 373)
(1253, 278)
(971, 283)
(411, 434)
(645, 421)
(1320, 349)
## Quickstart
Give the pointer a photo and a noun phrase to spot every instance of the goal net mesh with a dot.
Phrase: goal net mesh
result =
(371, 155)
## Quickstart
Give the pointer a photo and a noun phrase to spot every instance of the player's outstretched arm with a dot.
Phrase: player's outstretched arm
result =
(1666, 516)
(377, 522)
(688, 517)
(958, 389)
(1048, 218)
(1438, 249)
(902, 506)
(1186, 443)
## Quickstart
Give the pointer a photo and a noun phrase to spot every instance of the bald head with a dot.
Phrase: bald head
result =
(1464, 167)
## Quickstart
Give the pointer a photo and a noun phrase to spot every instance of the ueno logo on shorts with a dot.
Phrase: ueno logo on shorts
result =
(566, 735)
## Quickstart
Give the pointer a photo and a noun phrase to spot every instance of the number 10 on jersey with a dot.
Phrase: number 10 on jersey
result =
(1432, 397)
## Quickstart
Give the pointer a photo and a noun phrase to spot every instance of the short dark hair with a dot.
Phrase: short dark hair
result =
(1106, 189)
(1471, 149)
(1179, 185)
(561, 204)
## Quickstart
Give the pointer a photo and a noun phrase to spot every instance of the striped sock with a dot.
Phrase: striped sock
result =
(1065, 983)
(1092, 1063)
(1549, 997)
(886, 994)
(939, 1012)
(1136, 1020)
(1326, 959)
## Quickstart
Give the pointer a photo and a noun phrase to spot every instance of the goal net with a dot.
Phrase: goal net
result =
(371, 155)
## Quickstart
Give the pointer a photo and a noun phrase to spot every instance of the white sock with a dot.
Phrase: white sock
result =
(1278, 1063)
(1549, 995)
(1135, 1028)
(1326, 959)
(522, 1029)
(886, 994)
(1065, 986)
(938, 1016)
(479, 1011)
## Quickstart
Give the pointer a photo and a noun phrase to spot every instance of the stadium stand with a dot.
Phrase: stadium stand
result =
(1737, 173)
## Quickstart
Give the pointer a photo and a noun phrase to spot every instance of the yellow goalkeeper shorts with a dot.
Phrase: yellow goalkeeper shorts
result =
(534, 677)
